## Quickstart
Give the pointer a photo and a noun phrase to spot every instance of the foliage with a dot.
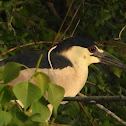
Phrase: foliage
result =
(27, 21)
(29, 94)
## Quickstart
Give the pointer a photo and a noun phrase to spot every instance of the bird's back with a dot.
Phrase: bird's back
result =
(30, 60)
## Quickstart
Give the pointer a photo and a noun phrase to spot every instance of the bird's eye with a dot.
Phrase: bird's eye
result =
(92, 49)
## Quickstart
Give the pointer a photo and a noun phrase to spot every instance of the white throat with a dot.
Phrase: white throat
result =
(79, 58)
(77, 55)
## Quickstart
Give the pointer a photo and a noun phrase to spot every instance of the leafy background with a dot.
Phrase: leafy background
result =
(27, 21)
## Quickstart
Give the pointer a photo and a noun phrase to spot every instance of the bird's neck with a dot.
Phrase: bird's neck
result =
(76, 57)
(78, 73)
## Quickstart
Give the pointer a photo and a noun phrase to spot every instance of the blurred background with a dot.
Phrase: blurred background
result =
(45, 22)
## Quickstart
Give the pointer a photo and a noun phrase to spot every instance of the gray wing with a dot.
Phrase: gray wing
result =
(31, 59)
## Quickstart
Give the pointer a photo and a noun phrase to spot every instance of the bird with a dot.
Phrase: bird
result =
(66, 63)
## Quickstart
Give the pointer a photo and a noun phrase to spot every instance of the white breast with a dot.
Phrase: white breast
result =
(71, 79)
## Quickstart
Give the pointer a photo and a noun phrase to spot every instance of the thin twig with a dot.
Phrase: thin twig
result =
(86, 113)
(111, 43)
(75, 28)
(52, 8)
(64, 20)
(52, 121)
(71, 20)
(93, 84)
(31, 22)
(28, 44)
(120, 33)
(10, 23)
(111, 114)
(110, 92)
(107, 111)
(83, 109)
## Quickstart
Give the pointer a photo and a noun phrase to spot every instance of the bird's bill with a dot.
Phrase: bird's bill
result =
(109, 60)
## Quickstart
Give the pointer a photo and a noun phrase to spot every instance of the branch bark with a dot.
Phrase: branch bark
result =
(111, 114)
(96, 99)
(107, 110)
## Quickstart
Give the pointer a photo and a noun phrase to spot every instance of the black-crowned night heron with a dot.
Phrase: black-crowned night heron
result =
(66, 63)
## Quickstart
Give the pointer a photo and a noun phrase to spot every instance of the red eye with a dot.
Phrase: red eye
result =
(92, 49)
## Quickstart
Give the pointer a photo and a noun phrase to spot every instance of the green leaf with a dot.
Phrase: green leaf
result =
(38, 63)
(5, 118)
(27, 93)
(107, 16)
(43, 110)
(117, 71)
(6, 94)
(85, 89)
(72, 110)
(7, 4)
(25, 34)
(18, 116)
(41, 80)
(106, 123)
(1, 86)
(1, 73)
(11, 71)
(55, 96)
(0, 3)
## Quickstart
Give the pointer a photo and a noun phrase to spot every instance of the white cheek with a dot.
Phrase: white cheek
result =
(93, 60)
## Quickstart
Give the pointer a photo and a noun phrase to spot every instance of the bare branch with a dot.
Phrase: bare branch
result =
(120, 33)
(107, 111)
(111, 114)
(75, 28)
(71, 20)
(88, 116)
(64, 20)
(93, 84)
(52, 8)
(96, 99)
(28, 44)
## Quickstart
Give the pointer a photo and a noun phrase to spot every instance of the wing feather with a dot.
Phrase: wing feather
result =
(30, 60)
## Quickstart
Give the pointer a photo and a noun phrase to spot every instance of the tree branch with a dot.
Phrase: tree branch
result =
(119, 38)
(96, 99)
(111, 114)
(82, 2)
(107, 110)
(28, 44)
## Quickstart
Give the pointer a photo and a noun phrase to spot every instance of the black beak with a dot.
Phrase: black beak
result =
(109, 60)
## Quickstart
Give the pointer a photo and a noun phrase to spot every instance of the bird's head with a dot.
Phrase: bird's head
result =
(81, 51)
